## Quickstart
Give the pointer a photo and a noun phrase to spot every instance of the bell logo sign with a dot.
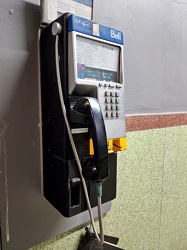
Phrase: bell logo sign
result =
(116, 35)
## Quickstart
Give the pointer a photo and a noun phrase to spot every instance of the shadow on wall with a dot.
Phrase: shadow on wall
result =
(24, 217)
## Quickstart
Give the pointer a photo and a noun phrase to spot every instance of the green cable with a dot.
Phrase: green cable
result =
(99, 189)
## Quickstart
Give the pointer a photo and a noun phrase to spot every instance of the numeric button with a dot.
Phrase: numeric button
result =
(117, 100)
(117, 107)
(113, 107)
(107, 100)
(116, 94)
(107, 93)
(108, 114)
(118, 114)
(108, 107)
(113, 100)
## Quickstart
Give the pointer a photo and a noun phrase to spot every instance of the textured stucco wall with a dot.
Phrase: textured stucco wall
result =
(149, 212)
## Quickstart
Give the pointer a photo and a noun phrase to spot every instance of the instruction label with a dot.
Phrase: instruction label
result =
(79, 7)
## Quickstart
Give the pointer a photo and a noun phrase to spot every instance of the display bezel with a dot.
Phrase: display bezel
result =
(77, 85)
(107, 65)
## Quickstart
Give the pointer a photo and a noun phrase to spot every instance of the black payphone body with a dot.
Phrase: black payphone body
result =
(91, 66)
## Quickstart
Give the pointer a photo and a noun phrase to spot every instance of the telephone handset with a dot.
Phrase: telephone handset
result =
(96, 169)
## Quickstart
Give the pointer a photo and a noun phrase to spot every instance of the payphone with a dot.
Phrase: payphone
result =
(81, 75)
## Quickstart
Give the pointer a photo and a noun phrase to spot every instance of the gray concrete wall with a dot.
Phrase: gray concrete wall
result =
(156, 82)
(155, 52)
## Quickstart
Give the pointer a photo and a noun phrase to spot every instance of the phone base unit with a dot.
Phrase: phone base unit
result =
(91, 71)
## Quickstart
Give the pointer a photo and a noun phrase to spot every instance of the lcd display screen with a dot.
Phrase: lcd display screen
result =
(97, 60)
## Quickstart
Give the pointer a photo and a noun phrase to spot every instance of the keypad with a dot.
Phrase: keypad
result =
(112, 104)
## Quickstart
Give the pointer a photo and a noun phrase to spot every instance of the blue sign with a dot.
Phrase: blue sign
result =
(82, 25)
